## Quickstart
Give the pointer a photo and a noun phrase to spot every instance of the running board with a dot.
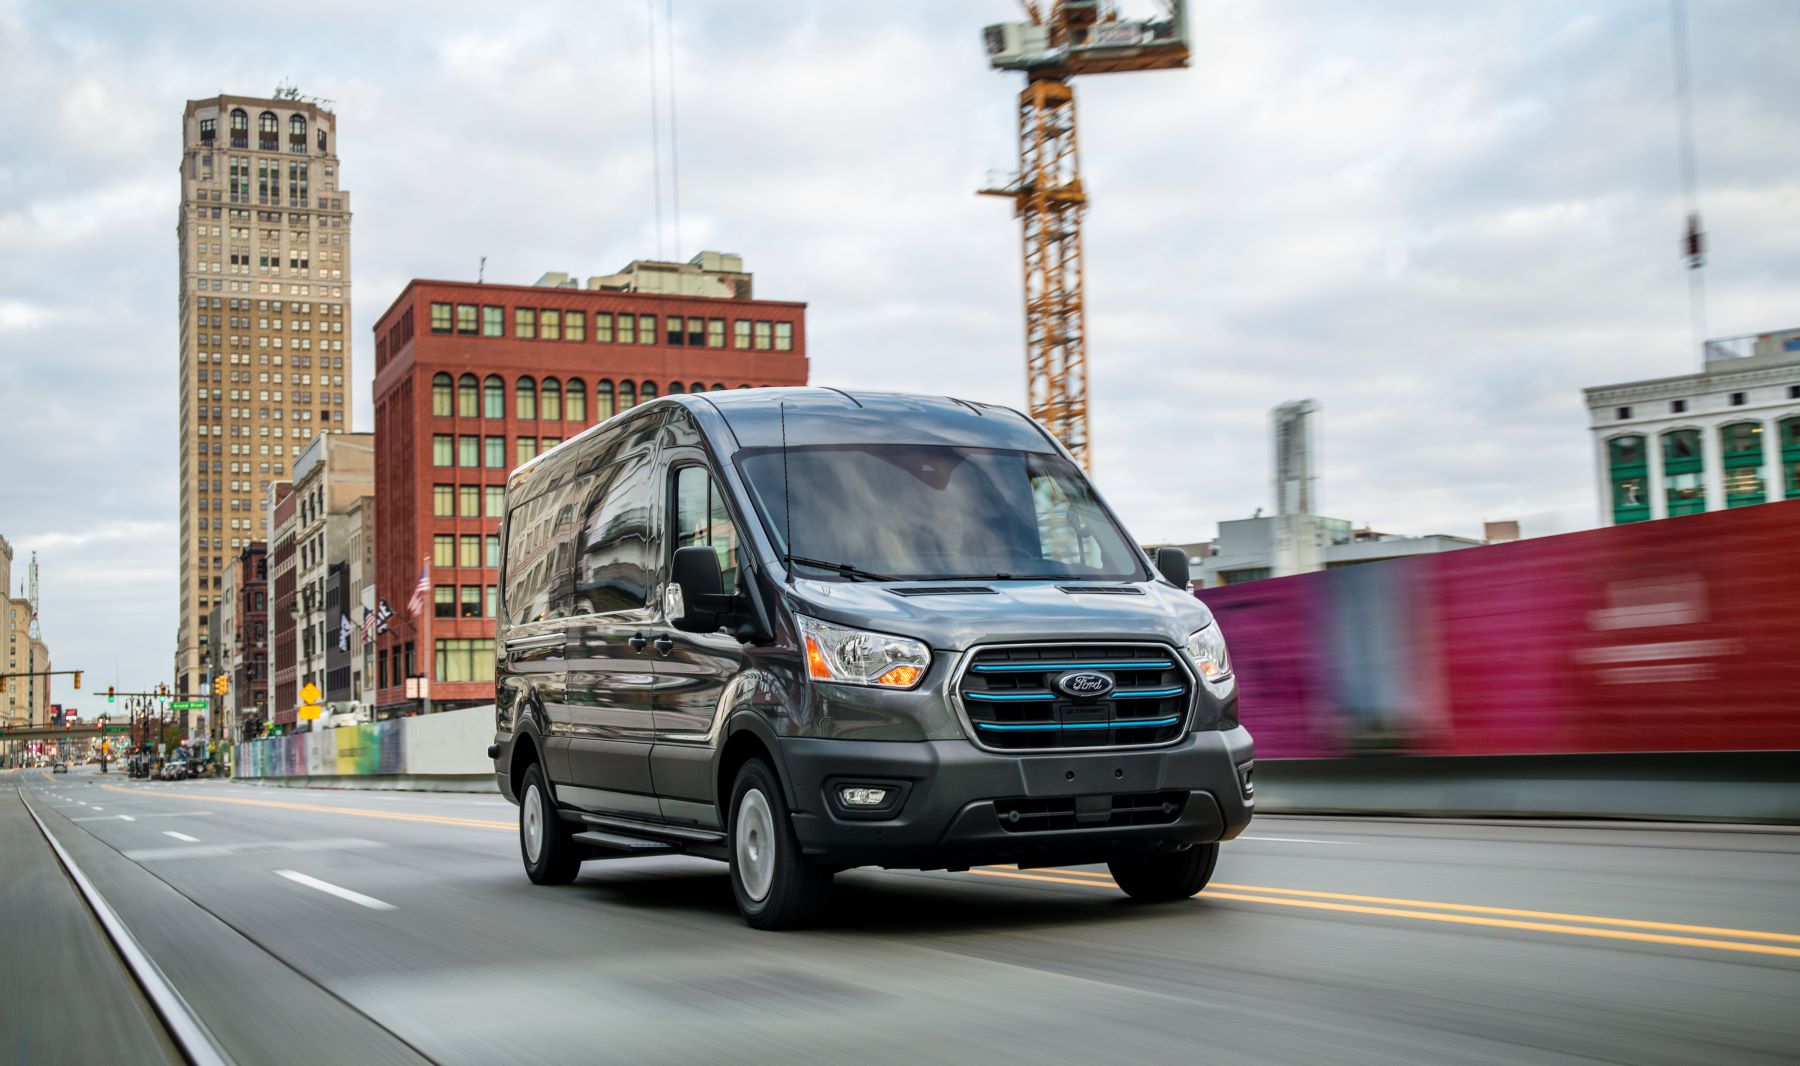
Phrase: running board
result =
(621, 843)
(652, 829)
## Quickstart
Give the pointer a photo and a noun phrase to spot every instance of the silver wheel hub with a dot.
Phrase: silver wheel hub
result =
(754, 844)
(531, 823)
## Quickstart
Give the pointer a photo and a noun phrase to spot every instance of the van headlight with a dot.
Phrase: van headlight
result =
(857, 657)
(1207, 649)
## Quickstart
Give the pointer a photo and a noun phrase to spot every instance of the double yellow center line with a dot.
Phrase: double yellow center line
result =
(1588, 925)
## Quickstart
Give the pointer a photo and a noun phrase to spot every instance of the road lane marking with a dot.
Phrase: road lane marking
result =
(126, 818)
(396, 816)
(254, 847)
(330, 889)
(1457, 919)
(99, 808)
(181, 836)
(1302, 840)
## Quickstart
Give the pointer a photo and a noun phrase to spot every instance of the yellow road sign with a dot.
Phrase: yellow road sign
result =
(308, 713)
(310, 694)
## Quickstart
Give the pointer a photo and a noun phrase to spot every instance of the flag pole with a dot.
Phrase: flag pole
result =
(430, 608)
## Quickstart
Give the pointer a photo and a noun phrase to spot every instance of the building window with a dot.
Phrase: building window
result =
(1684, 487)
(646, 329)
(547, 443)
(1737, 399)
(468, 397)
(647, 392)
(440, 395)
(675, 387)
(627, 395)
(524, 450)
(1627, 469)
(471, 602)
(1790, 455)
(550, 400)
(465, 319)
(1743, 460)
(493, 498)
(550, 325)
(740, 334)
(1794, 392)
(525, 398)
(468, 451)
(524, 323)
(460, 659)
(715, 333)
(1621, 413)
(603, 400)
(493, 397)
(443, 550)
(575, 400)
(627, 329)
(603, 327)
(493, 322)
(469, 550)
(1678, 407)
(443, 450)
(677, 328)
(784, 340)
(494, 453)
(762, 336)
(492, 603)
(443, 501)
(469, 501)
(444, 601)
(493, 549)
(440, 318)
(575, 326)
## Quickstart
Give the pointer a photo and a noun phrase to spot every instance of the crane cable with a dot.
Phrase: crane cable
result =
(1694, 241)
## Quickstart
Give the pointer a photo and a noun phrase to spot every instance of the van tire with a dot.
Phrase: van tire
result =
(558, 858)
(776, 887)
(1160, 878)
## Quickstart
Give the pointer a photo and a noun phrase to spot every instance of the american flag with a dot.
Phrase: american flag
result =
(421, 590)
(368, 625)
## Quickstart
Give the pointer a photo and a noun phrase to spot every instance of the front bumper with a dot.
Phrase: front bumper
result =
(960, 806)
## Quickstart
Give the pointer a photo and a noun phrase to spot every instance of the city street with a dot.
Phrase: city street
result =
(342, 926)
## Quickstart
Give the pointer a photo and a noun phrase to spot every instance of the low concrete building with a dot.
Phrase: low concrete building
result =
(1249, 549)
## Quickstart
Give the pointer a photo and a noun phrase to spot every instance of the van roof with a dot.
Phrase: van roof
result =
(816, 416)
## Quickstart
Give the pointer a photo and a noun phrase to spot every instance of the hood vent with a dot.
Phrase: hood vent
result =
(946, 590)
(1101, 590)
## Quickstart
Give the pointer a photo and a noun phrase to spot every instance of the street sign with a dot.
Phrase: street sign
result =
(188, 705)
(309, 712)
(310, 694)
(118, 729)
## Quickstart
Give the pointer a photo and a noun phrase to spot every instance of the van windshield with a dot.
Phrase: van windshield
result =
(934, 512)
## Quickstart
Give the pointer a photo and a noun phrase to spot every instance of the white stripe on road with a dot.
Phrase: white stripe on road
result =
(181, 836)
(1301, 840)
(126, 818)
(330, 889)
(99, 808)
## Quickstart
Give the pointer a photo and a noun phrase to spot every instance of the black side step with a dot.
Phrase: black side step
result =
(622, 843)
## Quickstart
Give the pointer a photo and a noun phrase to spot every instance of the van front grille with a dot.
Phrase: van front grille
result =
(1011, 697)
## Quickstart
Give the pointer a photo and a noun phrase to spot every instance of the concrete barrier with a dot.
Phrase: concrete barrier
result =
(444, 752)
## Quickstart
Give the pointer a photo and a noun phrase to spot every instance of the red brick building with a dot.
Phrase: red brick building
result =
(249, 657)
(472, 379)
(284, 657)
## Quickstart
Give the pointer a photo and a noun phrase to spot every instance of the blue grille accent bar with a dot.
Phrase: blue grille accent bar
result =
(1009, 697)
(1025, 668)
(1132, 723)
(1144, 693)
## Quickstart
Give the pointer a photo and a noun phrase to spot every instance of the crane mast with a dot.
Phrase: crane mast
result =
(1062, 39)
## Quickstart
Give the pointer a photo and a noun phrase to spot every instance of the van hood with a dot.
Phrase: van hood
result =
(997, 612)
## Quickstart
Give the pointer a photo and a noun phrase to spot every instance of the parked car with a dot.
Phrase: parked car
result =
(59, 767)
(801, 630)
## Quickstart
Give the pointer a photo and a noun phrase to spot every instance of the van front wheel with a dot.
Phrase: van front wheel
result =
(776, 887)
(1158, 878)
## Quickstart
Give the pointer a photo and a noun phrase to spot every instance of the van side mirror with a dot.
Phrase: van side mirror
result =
(1172, 563)
(704, 604)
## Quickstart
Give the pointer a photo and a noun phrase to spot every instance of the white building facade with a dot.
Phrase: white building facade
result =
(1727, 436)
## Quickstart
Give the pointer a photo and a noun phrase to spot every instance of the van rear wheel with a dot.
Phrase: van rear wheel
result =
(1158, 878)
(775, 886)
(551, 856)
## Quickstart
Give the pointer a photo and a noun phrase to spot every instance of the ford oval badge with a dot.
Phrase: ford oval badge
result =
(1085, 685)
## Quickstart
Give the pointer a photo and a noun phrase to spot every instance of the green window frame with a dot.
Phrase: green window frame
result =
(1790, 456)
(1684, 479)
(443, 449)
(1628, 472)
(493, 321)
(1741, 447)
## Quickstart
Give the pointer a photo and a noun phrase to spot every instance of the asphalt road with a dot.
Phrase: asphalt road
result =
(324, 926)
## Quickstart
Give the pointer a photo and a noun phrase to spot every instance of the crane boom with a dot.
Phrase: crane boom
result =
(1066, 38)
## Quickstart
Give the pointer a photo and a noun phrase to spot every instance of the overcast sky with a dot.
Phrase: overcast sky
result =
(1440, 220)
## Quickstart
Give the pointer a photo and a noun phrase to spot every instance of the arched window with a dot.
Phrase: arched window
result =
(647, 392)
(321, 136)
(267, 126)
(718, 387)
(675, 388)
(697, 387)
(603, 400)
(525, 398)
(440, 395)
(240, 120)
(743, 386)
(297, 132)
(627, 395)
(550, 400)
(1626, 468)
(1790, 456)
(493, 397)
(1684, 485)
(1743, 458)
(575, 400)
(468, 397)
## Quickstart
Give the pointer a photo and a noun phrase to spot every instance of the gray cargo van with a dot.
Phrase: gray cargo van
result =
(802, 630)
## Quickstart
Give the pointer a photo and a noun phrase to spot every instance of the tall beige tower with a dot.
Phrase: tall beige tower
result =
(265, 327)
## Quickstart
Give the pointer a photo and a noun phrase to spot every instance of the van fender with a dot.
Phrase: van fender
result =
(744, 721)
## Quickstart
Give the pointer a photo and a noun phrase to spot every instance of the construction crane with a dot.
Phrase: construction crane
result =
(1062, 39)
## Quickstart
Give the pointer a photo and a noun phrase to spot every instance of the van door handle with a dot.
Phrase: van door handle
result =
(637, 642)
(664, 645)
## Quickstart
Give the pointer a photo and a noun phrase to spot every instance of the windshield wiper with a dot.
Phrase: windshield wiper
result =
(841, 569)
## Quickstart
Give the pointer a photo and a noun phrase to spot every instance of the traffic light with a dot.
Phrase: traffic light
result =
(109, 693)
(78, 680)
(221, 685)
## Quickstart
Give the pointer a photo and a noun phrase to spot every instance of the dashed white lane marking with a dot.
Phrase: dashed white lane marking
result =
(126, 818)
(181, 836)
(333, 890)
(99, 808)
(1301, 840)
